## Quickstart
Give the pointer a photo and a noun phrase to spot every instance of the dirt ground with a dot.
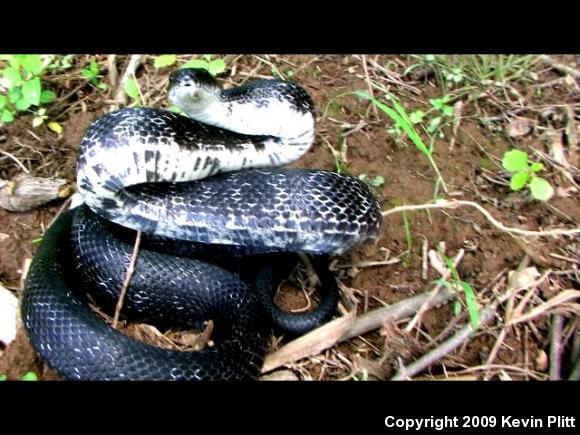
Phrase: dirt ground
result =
(470, 166)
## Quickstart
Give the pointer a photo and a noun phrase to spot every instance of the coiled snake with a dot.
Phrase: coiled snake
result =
(196, 179)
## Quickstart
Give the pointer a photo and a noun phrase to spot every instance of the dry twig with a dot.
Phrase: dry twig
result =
(128, 276)
(458, 203)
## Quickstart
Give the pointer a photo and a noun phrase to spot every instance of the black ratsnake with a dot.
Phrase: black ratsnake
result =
(136, 170)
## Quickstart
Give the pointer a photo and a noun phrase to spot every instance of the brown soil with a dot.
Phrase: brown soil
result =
(409, 179)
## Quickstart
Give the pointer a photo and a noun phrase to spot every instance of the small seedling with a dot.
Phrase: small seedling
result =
(374, 182)
(439, 104)
(470, 298)
(21, 79)
(524, 174)
(92, 73)
(403, 121)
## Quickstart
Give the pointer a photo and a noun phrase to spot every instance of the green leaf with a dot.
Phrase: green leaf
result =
(30, 376)
(102, 86)
(36, 241)
(519, 180)
(3, 377)
(541, 189)
(515, 160)
(456, 308)
(31, 91)
(433, 124)
(11, 77)
(471, 302)
(537, 167)
(195, 63)
(164, 60)
(132, 89)
(448, 110)
(417, 116)
(94, 67)
(14, 94)
(378, 181)
(436, 102)
(22, 104)
(13, 60)
(7, 116)
(32, 63)
(2, 101)
(47, 96)
(216, 67)
(87, 73)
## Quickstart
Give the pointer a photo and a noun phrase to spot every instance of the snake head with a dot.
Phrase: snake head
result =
(192, 89)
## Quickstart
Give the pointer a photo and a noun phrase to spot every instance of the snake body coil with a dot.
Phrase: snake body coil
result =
(202, 180)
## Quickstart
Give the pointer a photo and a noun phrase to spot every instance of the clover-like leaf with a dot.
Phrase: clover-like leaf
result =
(541, 189)
(515, 161)
(537, 166)
(519, 180)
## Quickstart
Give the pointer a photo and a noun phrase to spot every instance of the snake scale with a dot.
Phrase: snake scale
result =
(207, 184)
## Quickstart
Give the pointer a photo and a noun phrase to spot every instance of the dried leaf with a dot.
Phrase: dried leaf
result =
(523, 279)
(519, 126)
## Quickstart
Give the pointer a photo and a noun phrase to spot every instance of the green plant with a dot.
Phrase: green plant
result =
(214, 66)
(402, 120)
(132, 89)
(206, 61)
(92, 73)
(470, 298)
(29, 376)
(439, 105)
(524, 174)
(61, 63)
(374, 182)
(451, 71)
(22, 86)
(164, 60)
